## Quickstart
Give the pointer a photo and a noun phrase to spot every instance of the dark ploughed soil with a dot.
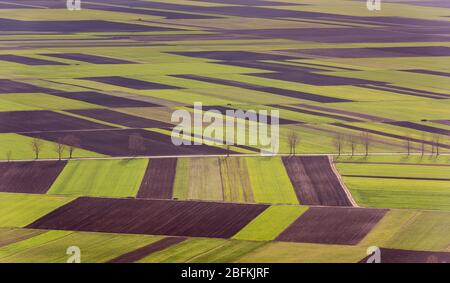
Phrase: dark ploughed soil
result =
(152, 217)
(147, 250)
(408, 256)
(158, 179)
(29, 177)
(332, 225)
(314, 181)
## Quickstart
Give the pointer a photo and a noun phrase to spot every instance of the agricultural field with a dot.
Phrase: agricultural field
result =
(357, 101)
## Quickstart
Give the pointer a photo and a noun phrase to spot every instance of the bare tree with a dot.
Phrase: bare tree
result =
(366, 141)
(408, 145)
(437, 144)
(422, 145)
(72, 142)
(8, 155)
(136, 144)
(432, 147)
(338, 143)
(60, 147)
(353, 143)
(293, 140)
(37, 145)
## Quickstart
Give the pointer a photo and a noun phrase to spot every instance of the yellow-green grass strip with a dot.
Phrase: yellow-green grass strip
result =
(230, 251)
(403, 159)
(95, 247)
(40, 101)
(19, 148)
(391, 224)
(205, 182)
(407, 171)
(102, 178)
(235, 180)
(269, 224)
(281, 252)
(182, 176)
(19, 210)
(399, 193)
(184, 251)
(270, 181)
(12, 235)
(428, 231)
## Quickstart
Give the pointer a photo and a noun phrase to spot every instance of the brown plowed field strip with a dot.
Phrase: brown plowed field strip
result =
(147, 250)
(315, 182)
(332, 225)
(29, 177)
(152, 217)
(408, 256)
(158, 179)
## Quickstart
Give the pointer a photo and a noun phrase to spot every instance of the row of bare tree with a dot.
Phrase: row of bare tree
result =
(70, 143)
(342, 141)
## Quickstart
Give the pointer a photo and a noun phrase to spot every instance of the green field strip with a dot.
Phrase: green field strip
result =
(415, 171)
(270, 181)
(319, 139)
(20, 148)
(429, 231)
(66, 15)
(235, 180)
(212, 142)
(399, 193)
(181, 182)
(163, 114)
(205, 182)
(12, 235)
(188, 97)
(400, 159)
(91, 119)
(391, 224)
(398, 77)
(51, 247)
(288, 114)
(137, 71)
(105, 178)
(56, 84)
(280, 252)
(19, 210)
(404, 132)
(40, 101)
(269, 224)
(404, 111)
(230, 251)
(184, 251)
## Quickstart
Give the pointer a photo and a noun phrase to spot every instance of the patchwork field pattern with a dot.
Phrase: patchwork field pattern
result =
(367, 93)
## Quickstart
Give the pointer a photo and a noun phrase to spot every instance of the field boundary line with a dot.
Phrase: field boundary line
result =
(339, 177)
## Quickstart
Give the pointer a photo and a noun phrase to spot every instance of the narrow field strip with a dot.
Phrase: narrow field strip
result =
(315, 182)
(140, 253)
(50, 247)
(399, 177)
(158, 181)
